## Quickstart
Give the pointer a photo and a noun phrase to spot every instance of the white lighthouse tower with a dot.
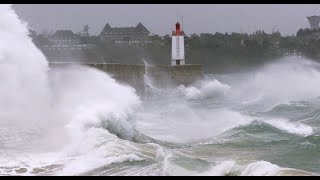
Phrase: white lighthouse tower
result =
(177, 46)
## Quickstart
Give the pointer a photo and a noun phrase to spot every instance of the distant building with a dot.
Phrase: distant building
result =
(85, 31)
(314, 22)
(66, 40)
(65, 46)
(64, 37)
(138, 35)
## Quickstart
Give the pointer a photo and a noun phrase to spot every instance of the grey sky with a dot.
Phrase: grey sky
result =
(160, 19)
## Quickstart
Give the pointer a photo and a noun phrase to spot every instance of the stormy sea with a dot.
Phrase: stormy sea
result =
(80, 121)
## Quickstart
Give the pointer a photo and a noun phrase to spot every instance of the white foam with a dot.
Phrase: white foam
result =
(258, 168)
(22, 73)
(290, 127)
(84, 164)
(261, 168)
(63, 111)
(288, 79)
(221, 169)
(206, 89)
(180, 123)
(69, 108)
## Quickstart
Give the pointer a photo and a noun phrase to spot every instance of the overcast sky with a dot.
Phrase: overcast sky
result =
(160, 19)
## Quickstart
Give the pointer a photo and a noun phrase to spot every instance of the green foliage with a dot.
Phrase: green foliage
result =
(220, 53)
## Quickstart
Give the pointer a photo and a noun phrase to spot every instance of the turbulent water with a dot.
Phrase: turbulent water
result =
(79, 121)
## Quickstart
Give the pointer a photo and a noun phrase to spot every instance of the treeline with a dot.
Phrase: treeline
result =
(219, 53)
(306, 32)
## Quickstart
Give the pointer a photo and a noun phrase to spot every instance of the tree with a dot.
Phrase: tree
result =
(167, 40)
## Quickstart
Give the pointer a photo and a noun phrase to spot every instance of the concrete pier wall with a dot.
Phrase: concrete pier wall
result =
(161, 76)
(168, 76)
(132, 75)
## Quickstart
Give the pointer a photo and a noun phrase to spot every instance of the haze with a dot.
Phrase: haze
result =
(160, 19)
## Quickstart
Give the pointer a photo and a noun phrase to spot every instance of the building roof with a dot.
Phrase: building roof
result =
(313, 17)
(63, 34)
(140, 28)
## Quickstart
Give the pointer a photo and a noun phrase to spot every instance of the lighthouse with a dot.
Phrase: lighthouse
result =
(177, 46)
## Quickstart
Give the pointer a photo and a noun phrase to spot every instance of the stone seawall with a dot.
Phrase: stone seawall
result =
(168, 76)
(161, 76)
(132, 75)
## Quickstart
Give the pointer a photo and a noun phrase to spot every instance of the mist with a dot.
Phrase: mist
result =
(206, 18)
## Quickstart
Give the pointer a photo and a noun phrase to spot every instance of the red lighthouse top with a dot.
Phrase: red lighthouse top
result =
(178, 31)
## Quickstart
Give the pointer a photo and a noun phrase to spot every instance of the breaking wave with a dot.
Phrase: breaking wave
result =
(71, 120)
(205, 89)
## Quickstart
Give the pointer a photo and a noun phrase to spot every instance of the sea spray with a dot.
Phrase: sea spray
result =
(148, 79)
(288, 79)
(45, 110)
(72, 120)
(24, 93)
(205, 89)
